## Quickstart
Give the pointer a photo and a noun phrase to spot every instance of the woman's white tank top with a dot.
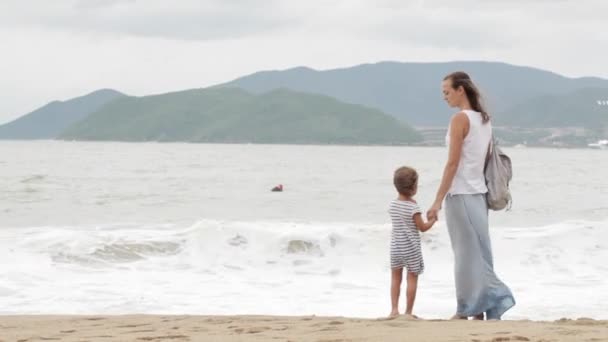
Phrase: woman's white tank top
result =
(469, 178)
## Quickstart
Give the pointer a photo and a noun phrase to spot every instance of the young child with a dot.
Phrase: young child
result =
(406, 250)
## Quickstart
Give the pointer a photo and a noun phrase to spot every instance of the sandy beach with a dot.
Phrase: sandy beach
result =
(283, 328)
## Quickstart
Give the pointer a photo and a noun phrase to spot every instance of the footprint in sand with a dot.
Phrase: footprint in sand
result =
(256, 330)
(329, 329)
(253, 330)
(132, 325)
(164, 338)
(510, 338)
(139, 331)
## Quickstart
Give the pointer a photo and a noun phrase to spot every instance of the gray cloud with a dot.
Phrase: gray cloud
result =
(447, 23)
(96, 4)
(186, 19)
(60, 49)
(476, 25)
(442, 28)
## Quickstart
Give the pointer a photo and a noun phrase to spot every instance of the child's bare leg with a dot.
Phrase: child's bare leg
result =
(412, 286)
(396, 278)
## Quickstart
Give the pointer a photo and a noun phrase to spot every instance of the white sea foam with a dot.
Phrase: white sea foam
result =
(224, 267)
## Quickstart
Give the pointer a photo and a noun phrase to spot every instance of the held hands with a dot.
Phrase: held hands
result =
(433, 213)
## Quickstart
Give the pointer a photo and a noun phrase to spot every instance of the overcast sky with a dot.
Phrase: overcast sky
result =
(59, 49)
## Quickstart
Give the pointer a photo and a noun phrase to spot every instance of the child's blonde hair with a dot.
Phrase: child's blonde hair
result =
(405, 180)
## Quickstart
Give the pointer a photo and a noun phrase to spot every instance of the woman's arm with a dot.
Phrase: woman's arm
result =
(459, 127)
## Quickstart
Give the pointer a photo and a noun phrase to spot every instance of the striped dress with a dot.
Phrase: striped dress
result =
(406, 250)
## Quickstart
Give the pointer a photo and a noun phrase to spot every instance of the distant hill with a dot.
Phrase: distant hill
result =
(49, 121)
(412, 91)
(584, 107)
(234, 115)
(366, 104)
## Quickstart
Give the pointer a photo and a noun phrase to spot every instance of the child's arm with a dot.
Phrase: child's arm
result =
(421, 225)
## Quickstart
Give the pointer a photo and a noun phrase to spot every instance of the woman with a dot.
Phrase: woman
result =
(478, 289)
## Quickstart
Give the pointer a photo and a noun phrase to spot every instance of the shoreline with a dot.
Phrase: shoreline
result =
(179, 328)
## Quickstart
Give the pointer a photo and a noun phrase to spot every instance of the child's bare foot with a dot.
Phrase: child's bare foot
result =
(393, 314)
(410, 317)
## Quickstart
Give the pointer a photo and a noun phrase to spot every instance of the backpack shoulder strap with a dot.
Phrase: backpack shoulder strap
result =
(489, 152)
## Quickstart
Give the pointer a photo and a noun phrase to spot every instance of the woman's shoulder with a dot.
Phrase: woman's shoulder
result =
(460, 116)
(459, 121)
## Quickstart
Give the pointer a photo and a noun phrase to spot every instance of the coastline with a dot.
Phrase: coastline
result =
(26, 328)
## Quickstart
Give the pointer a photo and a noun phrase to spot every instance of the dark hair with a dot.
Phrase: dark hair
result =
(461, 79)
(405, 180)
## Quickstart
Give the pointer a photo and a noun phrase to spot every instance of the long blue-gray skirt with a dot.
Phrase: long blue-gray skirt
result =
(478, 289)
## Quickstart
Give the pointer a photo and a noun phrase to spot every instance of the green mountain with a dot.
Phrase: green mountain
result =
(302, 105)
(583, 108)
(412, 91)
(232, 115)
(49, 121)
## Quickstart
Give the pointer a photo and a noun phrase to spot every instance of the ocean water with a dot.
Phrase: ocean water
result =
(118, 228)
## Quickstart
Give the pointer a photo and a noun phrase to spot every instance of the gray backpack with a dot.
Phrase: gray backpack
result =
(498, 173)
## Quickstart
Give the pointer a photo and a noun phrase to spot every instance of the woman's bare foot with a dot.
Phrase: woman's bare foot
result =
(479, 317)
(410, 317)
(456, 316)
(393, 314)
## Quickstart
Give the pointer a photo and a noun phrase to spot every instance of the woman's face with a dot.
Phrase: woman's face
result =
(452, 96)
